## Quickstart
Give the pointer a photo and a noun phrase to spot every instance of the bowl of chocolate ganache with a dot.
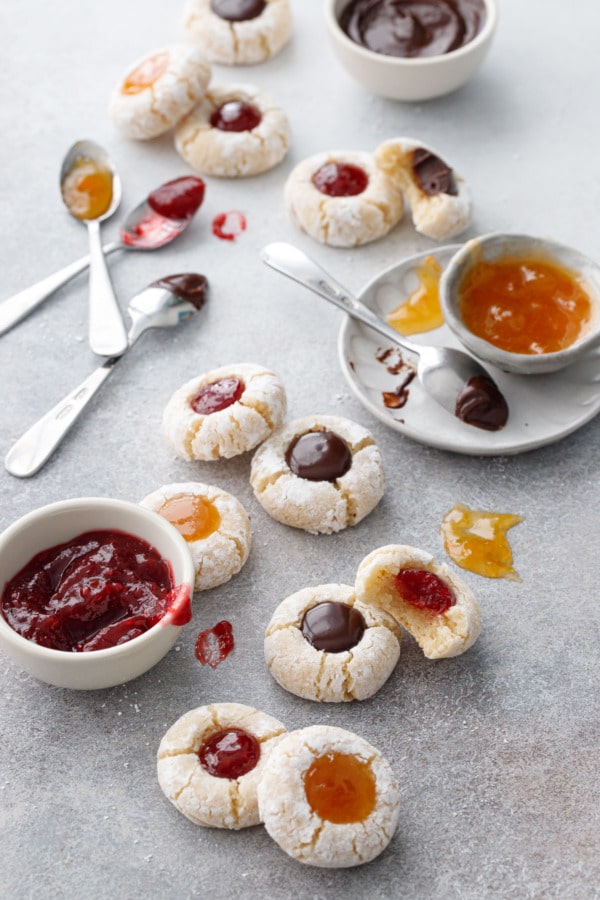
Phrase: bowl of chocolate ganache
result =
(411, 50)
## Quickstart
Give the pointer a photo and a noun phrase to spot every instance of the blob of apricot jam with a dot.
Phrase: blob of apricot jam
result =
(87, 189)
(195, 518)
(421, 311)
(340, 788)
(530, 305)
(144, 76)
(424, 590)
(230, 753)
(476, 541)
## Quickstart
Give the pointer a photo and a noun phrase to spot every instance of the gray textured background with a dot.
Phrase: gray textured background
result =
(496, 750)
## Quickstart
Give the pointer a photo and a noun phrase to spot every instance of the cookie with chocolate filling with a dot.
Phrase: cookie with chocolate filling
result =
(238, 32)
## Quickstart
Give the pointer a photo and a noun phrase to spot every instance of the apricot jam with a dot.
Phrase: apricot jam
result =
(144, 76)
(421, 311)
(87, 189)
(424, 590)
(230, 753)
(476, 540)
(526, 305)
(340, 788)
(194, 517)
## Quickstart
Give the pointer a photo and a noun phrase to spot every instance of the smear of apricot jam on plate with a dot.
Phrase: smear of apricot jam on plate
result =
(476, 540)
(421, 311)
(340, 788)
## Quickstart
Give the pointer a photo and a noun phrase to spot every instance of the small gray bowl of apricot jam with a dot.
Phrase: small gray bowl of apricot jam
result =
(408, 50)
(93, 591)
(525, 304)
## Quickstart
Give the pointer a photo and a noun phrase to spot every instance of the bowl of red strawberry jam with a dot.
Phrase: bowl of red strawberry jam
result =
(93, 591)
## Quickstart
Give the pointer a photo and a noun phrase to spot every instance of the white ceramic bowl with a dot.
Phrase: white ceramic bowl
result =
(59, 522)
(492, 247)
(414, 78)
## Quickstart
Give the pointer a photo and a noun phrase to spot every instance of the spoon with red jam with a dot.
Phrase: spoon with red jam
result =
(163, 304)
(159, 219)
(451, 377)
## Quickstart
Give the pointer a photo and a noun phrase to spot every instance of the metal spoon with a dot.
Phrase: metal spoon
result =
(107, 335)
(452, 378)
(143, 229)
(163, 304)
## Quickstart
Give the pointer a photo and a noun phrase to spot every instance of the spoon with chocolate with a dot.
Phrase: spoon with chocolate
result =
(163, 304)
(451, 377)
(159, 219)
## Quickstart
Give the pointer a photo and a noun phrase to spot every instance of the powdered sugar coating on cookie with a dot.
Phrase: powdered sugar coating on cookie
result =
(241, 42)
(323, 506)
(214, 524)
(447, 634)
(205, 799)
(330, 677)
(235, 429)
(159, 90)
(440, 215)
(297, 828)
(343, 221)
(228, 153)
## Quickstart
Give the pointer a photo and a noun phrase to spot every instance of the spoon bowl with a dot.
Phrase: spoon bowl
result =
(90, 151)
(163, 304)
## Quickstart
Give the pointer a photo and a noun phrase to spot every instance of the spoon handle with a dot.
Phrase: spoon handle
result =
(107, 334)
(15, 308)
(36, 446)
(294, 263)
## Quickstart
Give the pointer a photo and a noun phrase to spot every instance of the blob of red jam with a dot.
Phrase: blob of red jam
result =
(424, 590)
(178, 199)
(236, 115)
(229, 753)
(98, 590)
(217, 396)
(214, 644)
(340, 179)
(228, 225)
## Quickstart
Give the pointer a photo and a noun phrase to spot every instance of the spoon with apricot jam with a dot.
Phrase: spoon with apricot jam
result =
(91, 191)
(452, 378)
(156, 221)
(163, 304)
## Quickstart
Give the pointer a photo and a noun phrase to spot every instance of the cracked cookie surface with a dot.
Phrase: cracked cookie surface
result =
(215, 525)
(234, 429)
(325, 501)
(294, 805)
(204, 798)
(343, 220)
(238, 41)
(227, 153)
(363, 645)
(442, 634)
(158, 91)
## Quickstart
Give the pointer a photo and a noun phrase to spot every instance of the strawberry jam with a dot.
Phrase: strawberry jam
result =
(229, 753)
(340, 180)
(424, 590)
(178, 199)
(236, 115)
(215, 644)
(98, 590)
(340, 788)
(217, 396)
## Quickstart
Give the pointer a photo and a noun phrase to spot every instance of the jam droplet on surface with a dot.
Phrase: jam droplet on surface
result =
(433, 175)
(237, 10)
(476, 540)
(424, 590)
(188, 286)
(87, 189)
(481, 404)
(421, 311)
(228, 225)
(178, 199)
(340, 180)
(144, 76)
(340, 788)
(333, 627)
(319, 456)
(194, 517)
(236, 115)
(229, 753)
(217, 396)
(214, 644)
